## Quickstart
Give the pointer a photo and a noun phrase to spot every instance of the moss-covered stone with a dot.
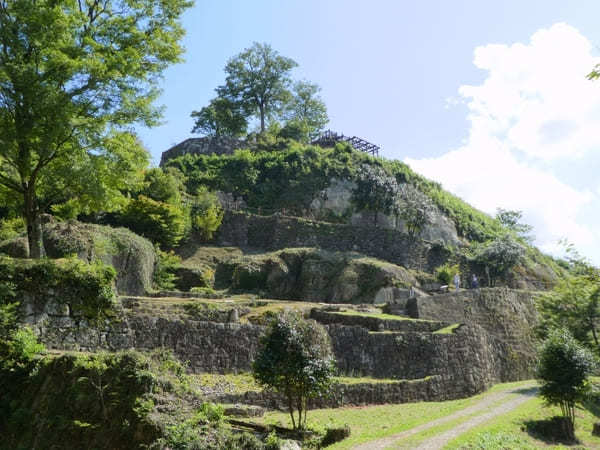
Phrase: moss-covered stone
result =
(55, 286)
(313, 275)
(132, 256)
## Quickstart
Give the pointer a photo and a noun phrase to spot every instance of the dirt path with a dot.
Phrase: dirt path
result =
(516, 396)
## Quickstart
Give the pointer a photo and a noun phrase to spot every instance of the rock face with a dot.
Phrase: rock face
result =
(131, 255)
(203, 146)
(336, 201)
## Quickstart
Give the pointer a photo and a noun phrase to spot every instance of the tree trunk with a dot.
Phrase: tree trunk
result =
(594, 332)
(262, 118)
(291, 408)
(34, 226)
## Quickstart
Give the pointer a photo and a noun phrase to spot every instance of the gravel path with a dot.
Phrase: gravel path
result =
(516, 396)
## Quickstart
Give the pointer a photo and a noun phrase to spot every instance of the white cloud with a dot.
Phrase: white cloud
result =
(534, 112)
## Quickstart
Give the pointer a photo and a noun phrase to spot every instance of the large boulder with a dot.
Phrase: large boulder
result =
(313, 275)
(132, 256)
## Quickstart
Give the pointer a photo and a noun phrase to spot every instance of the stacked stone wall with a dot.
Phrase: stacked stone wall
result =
(278, 232)
(506, 315)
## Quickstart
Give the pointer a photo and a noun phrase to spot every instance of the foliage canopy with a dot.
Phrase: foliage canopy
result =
(73, 76)
(258, 80)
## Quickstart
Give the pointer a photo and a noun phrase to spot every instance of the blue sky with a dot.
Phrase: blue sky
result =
(455, 88)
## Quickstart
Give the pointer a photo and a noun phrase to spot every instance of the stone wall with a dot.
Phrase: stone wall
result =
(277, 232)
(464, 356)
(430, 389)
(462, 361)
(507, 315)
(376, 324)
(205, 145)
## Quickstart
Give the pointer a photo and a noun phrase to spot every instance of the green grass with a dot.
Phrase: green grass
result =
(243, 382)
(374, 422)
(450, 329)
(370, 380)
(381, 316)
(510, 428)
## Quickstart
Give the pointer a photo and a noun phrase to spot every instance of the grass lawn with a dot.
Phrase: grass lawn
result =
(511, 430)
(379, 316)
(374, 422)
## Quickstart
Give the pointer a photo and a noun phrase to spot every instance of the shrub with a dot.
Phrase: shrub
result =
(563, 370)
(444, 274)
(206, 213)
(87, 288)
(162, 223)
(211, 413)
(333, 435)
(164, 269)
(11, 228)
(498, 256)
(296, 360)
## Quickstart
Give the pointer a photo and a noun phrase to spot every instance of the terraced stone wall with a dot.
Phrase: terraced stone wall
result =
(506, 315)
(278, 232)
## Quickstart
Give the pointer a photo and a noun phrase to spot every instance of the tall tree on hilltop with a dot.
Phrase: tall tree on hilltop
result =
(258, 79)
(222, 117)
(74, 75)
(306, 111)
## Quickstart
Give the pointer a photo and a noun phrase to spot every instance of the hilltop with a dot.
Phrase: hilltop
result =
(362, 245)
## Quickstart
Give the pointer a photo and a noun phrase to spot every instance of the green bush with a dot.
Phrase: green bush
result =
(445, 274)
(162, 223)
(11, 228)
(87, 288)
(206, 213)
(333, 435)
(164, 269)
(295, 359)
(563, 370)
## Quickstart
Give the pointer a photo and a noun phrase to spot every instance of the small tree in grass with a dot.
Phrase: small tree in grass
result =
(563, 369)
(296, 360)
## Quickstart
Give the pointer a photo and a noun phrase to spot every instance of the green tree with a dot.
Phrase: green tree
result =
(375, 191)
(163, 185)
(574, 302)
(307, 113)
(563, 370)
(414, 208)
(74, 75)
(222, 117)
(258, 80)
(296, 360)
(162, 223)
(511, 220)
(206, 213)
(498, 256)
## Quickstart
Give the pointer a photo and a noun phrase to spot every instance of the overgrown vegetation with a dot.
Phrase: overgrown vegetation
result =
(99, 401)
(290, 179)
(86, 288)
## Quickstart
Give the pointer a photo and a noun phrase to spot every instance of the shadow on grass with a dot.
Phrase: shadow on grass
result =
(592, 403)
(529, 391)
(551, 431)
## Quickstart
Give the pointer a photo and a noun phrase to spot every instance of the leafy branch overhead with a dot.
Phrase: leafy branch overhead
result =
(74, 75)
